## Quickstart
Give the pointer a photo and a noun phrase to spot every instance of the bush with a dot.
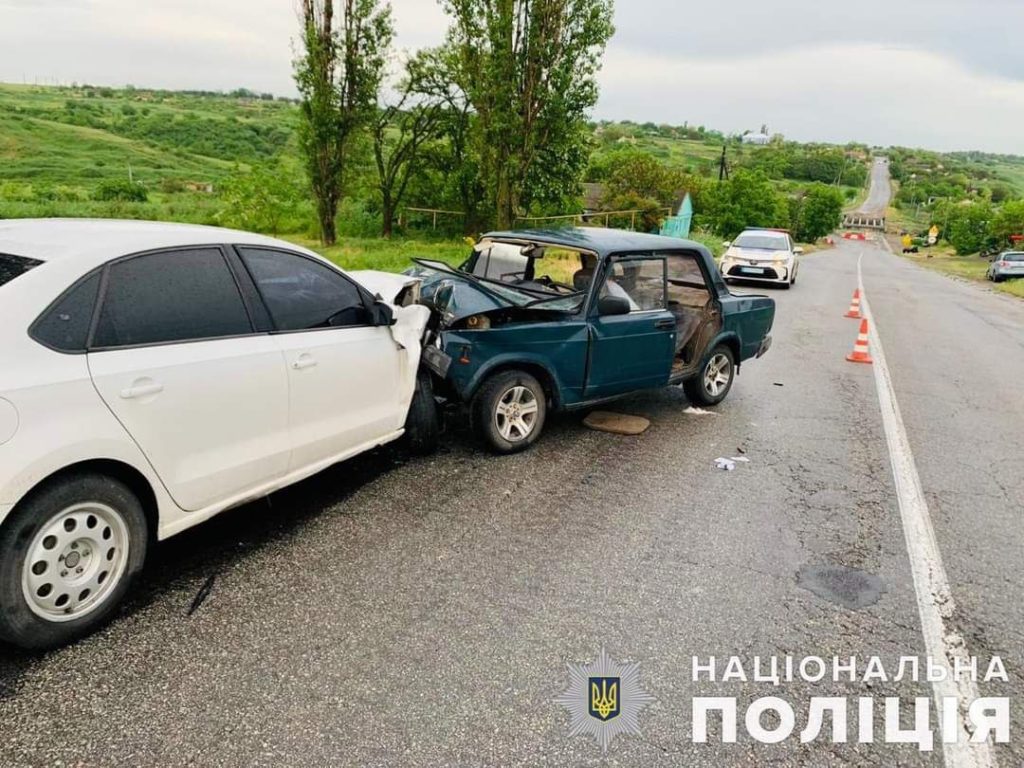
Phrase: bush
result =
(121, 190)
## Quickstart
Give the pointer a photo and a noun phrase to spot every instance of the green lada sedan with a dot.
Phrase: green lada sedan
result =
(542, 320)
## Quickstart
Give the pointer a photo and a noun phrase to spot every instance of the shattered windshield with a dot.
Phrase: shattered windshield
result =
(511, 294)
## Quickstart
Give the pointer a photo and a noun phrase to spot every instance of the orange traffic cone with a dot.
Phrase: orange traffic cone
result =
(854, 310)
(860, 352)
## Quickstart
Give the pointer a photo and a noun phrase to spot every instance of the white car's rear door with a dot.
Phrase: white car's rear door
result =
(346, 374)
(175, 358)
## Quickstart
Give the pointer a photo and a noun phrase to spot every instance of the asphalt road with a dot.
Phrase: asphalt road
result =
(879, 191)
(396, 612)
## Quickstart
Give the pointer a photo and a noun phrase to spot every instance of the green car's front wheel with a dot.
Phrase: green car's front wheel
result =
(509, 411)
(712, 384)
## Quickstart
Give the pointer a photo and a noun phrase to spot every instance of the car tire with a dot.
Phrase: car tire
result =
(96, 521)
(423, 424)
(509, 411)
(708, 387)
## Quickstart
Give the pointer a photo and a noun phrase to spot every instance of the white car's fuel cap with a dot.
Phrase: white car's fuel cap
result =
(8, 420)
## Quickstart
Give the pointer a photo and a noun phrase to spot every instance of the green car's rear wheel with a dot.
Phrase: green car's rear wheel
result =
(712, 384)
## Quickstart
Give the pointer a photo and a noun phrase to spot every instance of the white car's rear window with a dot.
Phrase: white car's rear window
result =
(14, 266)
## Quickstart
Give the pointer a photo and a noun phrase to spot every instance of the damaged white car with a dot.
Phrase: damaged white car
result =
(154, 375)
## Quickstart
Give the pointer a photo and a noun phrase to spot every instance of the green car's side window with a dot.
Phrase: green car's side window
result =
(640, 279)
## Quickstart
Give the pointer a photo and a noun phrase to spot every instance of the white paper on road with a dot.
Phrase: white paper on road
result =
(723, 463)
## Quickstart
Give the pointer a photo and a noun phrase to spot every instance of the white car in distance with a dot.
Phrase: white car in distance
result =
(153, 375)
(761, 255)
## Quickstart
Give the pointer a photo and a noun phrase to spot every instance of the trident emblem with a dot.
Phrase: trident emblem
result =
(604, 697)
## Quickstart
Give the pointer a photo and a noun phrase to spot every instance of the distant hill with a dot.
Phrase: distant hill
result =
(77, 136)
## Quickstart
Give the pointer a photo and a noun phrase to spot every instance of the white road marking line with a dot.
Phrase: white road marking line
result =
(934, 596)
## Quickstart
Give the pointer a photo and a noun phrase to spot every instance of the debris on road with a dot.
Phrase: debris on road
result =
(616, 423)
(723, 463)
(202, 594)
(778, 384)
(742, 459)
(694, 411)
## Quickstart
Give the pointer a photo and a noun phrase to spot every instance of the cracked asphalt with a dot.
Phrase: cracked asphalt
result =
(408, 612)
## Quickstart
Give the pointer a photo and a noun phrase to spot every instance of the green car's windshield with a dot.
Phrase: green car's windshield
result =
(511, 294)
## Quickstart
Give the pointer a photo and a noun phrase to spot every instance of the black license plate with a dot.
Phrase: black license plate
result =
(437, 361)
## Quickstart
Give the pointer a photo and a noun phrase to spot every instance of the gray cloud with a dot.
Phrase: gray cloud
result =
(942, 73)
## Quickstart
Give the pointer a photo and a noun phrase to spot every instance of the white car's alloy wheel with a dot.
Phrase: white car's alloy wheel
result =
(75, 561)
(516, 414)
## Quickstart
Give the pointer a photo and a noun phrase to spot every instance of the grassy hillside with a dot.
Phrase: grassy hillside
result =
(58, 146)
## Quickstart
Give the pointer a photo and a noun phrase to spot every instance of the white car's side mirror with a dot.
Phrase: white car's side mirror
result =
(798, 250)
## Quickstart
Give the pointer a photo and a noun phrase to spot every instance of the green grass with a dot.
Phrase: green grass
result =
(941, 259)
(386, 255)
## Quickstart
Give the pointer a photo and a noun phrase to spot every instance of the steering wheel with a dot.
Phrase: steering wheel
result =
(546, 281)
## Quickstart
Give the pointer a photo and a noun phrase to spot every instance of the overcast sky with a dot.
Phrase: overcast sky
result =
(945, 74)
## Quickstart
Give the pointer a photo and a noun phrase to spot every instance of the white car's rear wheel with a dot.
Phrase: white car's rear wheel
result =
(75, 561)
(67, 557)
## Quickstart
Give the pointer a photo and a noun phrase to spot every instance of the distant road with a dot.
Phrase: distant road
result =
(881, 189)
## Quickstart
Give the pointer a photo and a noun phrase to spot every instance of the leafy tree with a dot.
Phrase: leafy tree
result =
(450, 175)
(820, 212)
(399, 133)
(1008, 220)
(528, 68)
(266, 199)
(965, 226)
(339, 74)
(747, 199)
(640, 175)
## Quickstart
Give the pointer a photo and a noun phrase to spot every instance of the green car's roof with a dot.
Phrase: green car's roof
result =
(600, 240)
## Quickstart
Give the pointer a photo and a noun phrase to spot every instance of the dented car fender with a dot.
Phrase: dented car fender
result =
(407, 330)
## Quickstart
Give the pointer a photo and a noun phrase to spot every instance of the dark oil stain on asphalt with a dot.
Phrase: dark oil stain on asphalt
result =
(848, 587)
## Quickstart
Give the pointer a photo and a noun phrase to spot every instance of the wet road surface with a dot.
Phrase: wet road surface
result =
(397, 611)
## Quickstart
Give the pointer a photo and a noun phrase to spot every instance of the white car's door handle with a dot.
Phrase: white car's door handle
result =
(142, 390)
(304, 361)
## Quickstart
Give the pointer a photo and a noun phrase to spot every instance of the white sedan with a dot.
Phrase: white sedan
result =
(154, 375)
(762, 255)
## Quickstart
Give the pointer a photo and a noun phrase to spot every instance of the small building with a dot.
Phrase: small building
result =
(756, 138)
